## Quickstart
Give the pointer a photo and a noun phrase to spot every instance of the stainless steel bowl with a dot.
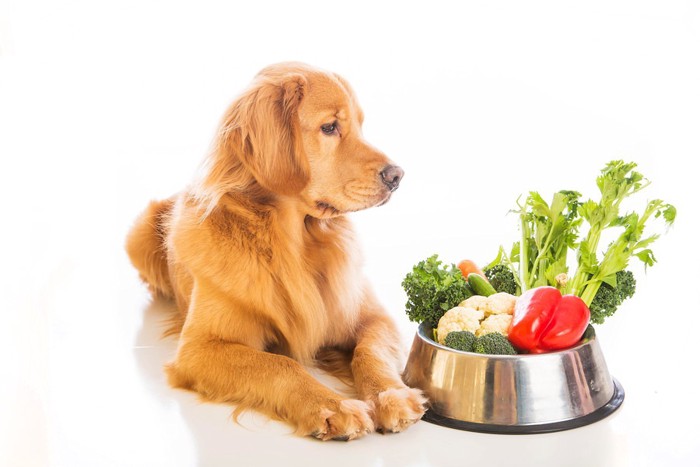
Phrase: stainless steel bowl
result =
(512, 393)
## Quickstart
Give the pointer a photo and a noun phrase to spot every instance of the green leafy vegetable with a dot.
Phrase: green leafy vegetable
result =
(611, 295)
(460, 340)
(549, 232)
(432, 289)
(502, 279)
(494, 343)
(617, 181)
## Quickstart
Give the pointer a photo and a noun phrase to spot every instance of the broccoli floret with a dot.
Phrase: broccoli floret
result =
(494, 343)
(502, 279)
(626, 285)
(460, 340)
(432, 289)
(608, 298)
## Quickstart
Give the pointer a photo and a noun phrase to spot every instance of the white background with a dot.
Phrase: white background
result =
(105, 105)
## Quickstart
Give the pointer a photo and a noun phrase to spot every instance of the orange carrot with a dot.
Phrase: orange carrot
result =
(468, 266)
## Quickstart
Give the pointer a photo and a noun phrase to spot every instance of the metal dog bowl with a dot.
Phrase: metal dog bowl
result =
(512, 394)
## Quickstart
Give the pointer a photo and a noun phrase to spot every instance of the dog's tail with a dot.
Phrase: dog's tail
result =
(145, 245)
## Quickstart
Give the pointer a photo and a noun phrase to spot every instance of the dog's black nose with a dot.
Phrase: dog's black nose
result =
(391, 176)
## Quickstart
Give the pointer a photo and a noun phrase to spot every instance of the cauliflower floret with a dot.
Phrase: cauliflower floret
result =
(478, 302)
(495, 323)
(469, 316)
(458, 319)
(500, 303)
(496, 304)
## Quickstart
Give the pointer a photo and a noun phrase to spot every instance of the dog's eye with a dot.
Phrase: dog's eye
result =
(330, 128)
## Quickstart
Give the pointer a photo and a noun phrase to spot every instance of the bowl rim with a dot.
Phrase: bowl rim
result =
(424, 326)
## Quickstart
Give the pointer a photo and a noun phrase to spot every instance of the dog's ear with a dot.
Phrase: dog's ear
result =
(262, 126)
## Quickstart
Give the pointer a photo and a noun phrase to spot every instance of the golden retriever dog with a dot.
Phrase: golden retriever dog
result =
(262, 263)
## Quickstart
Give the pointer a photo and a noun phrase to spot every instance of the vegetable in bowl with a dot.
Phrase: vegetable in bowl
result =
(493, 343)
(479, 315)
(460, 340)
(433, 288)
(610, 296)
(551, 234)
(502, 279)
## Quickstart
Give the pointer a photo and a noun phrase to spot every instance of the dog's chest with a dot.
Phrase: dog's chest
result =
(303, 283)
(332, 266)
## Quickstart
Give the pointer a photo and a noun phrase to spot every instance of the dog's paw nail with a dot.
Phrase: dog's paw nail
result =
(397, 409)
(349, 421)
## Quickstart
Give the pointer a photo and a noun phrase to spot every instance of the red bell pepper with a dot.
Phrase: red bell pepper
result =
(544, 320)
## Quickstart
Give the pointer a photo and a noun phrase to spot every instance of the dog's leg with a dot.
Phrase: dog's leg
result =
(224, 371)
(377, 376)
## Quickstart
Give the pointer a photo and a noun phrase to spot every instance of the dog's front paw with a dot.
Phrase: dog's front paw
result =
(397, 409)
(350, 420)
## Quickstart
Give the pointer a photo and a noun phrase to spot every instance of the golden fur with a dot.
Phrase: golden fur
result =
(263, 264)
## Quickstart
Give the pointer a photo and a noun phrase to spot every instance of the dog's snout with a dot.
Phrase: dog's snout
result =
(391, 176)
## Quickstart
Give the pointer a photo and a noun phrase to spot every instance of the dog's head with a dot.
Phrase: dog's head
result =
(298, 132)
